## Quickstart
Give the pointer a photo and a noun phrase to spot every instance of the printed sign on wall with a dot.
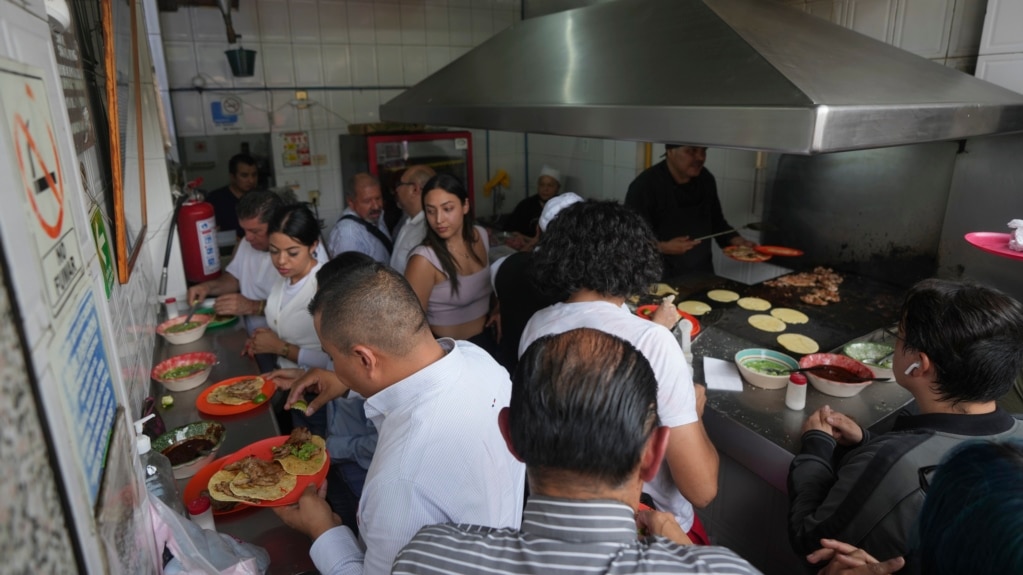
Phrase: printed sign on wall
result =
(296, 150)
(41, 183)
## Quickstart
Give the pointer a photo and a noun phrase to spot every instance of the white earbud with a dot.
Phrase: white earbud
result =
(912, 366)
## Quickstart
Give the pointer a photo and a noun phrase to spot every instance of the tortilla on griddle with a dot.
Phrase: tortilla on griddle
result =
(237, 393)
(311, 466)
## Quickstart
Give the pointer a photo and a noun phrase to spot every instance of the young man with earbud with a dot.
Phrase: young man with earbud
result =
(958, 349)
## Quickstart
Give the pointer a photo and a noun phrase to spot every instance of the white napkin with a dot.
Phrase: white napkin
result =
(1016, 239)
(721, 375)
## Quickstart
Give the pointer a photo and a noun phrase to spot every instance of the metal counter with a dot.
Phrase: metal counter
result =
(289, 549)
(753, 426)
(756, 429)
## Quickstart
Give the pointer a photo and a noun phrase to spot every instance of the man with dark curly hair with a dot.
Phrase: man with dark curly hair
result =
(600, 253)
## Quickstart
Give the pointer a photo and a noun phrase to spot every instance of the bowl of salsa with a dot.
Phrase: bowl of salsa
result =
(177, 331)
(184, 372)
(190, 447)
(765, 368)
(836, 375)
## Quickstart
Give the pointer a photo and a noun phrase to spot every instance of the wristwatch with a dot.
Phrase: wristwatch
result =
(286, 350)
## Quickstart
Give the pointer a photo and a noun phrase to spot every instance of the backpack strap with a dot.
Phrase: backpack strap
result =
(373, 230)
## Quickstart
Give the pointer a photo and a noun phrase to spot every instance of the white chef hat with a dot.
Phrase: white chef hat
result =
(554, 206)
(550, 172)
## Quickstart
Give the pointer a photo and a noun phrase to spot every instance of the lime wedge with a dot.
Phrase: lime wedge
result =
(300, 405)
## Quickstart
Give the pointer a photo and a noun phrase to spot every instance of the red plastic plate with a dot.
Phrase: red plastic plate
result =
(645, 311)
(198, 482)
(740, 254)
(779, 251)
(994, 243)
(223, 409)
(260, 449)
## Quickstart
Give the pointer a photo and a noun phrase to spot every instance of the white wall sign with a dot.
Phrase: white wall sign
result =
(41, 181)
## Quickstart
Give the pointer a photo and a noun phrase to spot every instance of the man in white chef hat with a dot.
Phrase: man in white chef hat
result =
(526, 217)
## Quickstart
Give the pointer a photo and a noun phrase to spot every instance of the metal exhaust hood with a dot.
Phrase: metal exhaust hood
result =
(722, 73)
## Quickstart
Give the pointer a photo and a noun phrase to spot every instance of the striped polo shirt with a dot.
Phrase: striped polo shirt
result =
(561, 536)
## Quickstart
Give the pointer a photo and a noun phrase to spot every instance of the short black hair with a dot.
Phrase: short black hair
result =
(232, 164)
(368, 304)
(598, 245)
(972, 334)
(585, 402)
(339, 263)
(258, 204)
(296, 221)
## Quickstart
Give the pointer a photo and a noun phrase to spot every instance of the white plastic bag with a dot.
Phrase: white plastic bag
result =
(202, 551)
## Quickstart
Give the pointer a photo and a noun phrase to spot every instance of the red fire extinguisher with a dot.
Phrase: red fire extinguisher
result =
(197, 229)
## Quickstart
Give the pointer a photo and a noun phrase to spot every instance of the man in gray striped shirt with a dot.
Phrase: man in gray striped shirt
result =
(583, 417)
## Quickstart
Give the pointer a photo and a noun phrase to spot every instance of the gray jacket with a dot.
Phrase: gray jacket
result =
(870, 496)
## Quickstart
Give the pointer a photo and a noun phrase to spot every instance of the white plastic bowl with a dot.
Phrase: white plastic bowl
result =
(211, 430)
(762, 379)
(835, 388)
(181, 337)
(187, 382)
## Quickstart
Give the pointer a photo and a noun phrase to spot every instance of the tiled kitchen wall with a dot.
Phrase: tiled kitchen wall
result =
(386, 45)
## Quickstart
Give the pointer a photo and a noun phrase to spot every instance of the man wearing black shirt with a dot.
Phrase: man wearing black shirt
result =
(244, 177)
(678, 197)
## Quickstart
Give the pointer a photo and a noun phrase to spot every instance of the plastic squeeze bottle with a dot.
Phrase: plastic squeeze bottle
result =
(795, 393)
(200, 511)
(157, 469)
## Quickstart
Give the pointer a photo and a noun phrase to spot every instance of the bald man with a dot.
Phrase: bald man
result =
(361, 227)
(408, 192)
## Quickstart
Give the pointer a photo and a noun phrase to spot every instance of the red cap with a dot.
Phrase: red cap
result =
(797, 378)
(199, 505)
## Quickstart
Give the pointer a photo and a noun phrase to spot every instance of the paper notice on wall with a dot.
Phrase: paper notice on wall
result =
(41, 182)
(296, 150)
(78, 361)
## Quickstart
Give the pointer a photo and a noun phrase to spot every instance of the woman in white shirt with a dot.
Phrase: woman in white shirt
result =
(294, 237)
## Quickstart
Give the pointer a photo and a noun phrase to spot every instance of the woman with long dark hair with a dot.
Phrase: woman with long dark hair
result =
(449, 271)
(294, 236)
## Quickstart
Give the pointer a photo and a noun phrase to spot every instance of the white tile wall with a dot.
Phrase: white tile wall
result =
(413, 24)
(338, 44)
(360, 23)
(304, 17)
(274, 20)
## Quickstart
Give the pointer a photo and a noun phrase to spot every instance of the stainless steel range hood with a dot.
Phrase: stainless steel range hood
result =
(723, 73)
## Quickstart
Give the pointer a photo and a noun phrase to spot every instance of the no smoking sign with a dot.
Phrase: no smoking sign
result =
(41, 179)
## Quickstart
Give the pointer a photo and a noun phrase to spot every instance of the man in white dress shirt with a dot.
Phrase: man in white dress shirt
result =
(408, 192)
(361, 227)
(440, 456)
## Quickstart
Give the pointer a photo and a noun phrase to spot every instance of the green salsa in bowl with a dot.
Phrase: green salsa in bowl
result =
(765, 368)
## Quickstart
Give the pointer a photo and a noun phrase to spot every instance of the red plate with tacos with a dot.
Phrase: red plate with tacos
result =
(779, 251)
(252, 476)
(197, 485)
(235, 395)
(745, 254)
